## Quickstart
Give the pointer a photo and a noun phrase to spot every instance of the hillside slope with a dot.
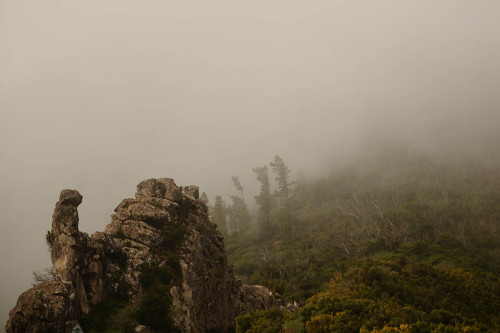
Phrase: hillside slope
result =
(383, 216)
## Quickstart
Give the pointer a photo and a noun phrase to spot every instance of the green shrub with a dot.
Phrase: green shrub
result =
(97, 320)
(154, 309)
(401, 291)
(268, 321)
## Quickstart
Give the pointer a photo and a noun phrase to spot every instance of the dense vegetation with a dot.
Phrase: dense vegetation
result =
(400, 292)
(392, 243)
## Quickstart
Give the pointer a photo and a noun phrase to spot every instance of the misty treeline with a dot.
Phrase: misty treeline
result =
(274, 207)
(375, 228)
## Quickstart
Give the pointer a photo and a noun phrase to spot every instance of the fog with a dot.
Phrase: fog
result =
(99, 95)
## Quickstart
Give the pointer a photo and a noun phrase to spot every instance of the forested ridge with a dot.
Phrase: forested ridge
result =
(393, 242)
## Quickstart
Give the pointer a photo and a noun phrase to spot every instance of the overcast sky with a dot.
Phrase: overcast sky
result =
(98, 95)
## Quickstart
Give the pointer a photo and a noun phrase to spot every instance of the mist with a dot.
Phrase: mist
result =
(97, 96)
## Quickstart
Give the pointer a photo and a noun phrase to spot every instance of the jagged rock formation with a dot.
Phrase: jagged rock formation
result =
(161, 239)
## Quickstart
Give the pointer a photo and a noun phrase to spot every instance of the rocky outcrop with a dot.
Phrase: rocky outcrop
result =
(51, 306)
(158, 244)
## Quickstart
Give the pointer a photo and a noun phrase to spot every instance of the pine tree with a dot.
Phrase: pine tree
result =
(239, 217)
(238, 186)
(210, 209)
(282, 177)
(219, 214)
(204, 198)
(264, 199)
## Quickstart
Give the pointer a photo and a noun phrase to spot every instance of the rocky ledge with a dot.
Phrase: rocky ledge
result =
(160, 265)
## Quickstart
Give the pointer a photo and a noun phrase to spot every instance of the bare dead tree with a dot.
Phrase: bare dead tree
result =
(48, 274)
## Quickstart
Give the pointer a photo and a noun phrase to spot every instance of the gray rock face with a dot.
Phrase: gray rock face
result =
(56, 306)
(159, 188)
(205, 294)
(50, 307)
